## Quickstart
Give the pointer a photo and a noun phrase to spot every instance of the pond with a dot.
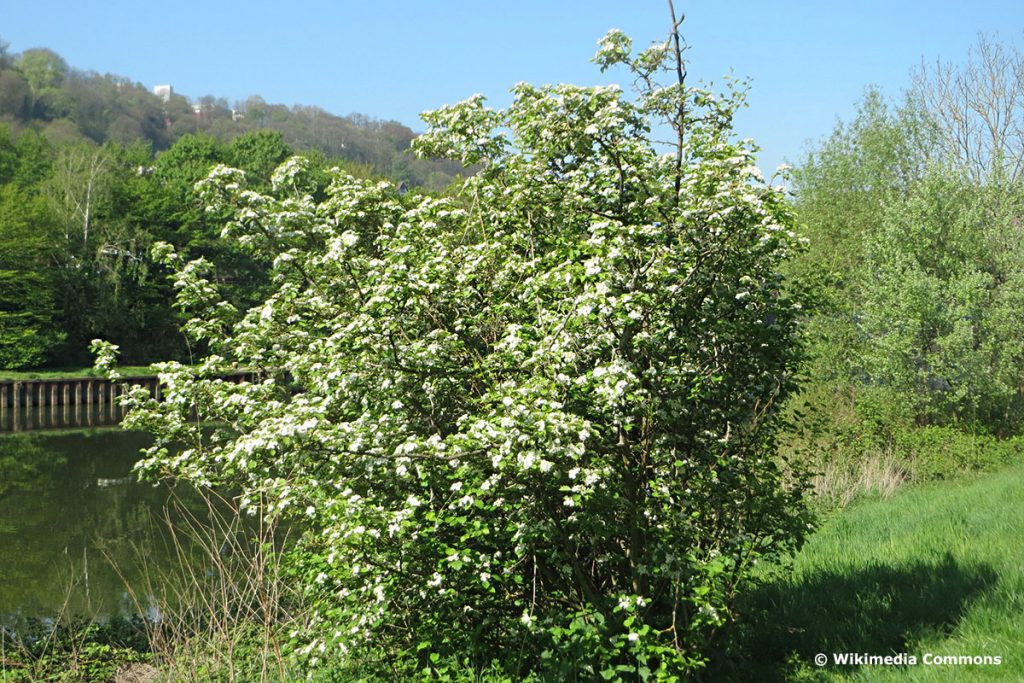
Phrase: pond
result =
(79, 535)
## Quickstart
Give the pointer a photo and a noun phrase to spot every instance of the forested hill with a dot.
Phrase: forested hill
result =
(39, 90)
(95, 169)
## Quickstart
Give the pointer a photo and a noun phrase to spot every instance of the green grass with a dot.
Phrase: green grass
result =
(938, 568)
(74, 373)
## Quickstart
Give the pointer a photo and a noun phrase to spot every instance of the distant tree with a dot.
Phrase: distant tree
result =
(95, 104)
(182, 119)
(29, 334)
(978, 109)
(214, 115)
(44, 71)
(14, 95)
(842, 188)
(35, 158)
(258, 153)
(101, 200)
(77, 192)
(81, 181)
(944, 282)
(399, 136)
(6, 58)
(42, 68)
(189, 160)
(146, 110)
(255, 110)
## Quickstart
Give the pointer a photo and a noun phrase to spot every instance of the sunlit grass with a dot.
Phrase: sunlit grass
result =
(74, 373)
(937, 568)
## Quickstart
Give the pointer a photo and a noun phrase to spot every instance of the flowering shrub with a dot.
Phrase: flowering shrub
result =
(527, 426)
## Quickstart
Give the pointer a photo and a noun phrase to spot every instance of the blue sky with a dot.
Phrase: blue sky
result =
(809, 61)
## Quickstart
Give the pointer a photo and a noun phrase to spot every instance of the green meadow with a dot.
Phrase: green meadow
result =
(936, 569)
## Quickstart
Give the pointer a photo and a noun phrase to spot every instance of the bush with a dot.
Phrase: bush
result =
(71, 650)
(530, 426)
(944, 452)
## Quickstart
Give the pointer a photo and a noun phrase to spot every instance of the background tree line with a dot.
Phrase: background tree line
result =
(912, 212)
(913, 215)
(94, 169)
(76, 223)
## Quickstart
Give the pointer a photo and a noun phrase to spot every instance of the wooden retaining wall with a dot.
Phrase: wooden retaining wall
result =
(70, 402)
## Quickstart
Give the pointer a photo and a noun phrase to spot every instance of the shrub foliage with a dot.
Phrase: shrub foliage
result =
(526, 426)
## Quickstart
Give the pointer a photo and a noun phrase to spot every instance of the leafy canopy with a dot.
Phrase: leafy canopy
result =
(916, 260)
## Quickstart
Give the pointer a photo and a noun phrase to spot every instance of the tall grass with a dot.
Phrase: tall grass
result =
(219, 612)
(876, 473)
(849, 462)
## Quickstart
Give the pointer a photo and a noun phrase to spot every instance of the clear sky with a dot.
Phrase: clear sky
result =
(810, 61)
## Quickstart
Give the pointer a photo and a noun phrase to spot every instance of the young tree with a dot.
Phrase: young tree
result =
(44, 71)
(80, 182)
(942, 284)
(530, 425)
(842, 189)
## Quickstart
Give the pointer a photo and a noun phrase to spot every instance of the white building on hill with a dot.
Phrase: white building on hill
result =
(164, 92)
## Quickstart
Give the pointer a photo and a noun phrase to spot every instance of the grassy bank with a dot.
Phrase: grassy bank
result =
(74, 373)
(74, 651)
(937, 568)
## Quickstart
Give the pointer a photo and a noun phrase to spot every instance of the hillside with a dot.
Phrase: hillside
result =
(41, 91)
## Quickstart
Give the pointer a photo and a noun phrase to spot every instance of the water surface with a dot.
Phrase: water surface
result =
(76, 527)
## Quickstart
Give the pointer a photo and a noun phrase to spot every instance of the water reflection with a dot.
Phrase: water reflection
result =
(70, 512)
(73, 416)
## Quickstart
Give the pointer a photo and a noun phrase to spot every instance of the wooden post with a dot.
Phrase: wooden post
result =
(4, 388)
(88, 393)
(113, 405)
(67, 400)
(16, 400)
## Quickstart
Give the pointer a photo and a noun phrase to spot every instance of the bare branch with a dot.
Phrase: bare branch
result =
(680, 122)
(978, 110)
